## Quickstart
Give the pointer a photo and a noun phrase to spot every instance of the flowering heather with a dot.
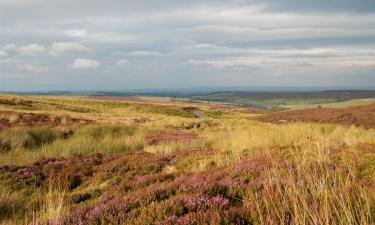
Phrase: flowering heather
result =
(108, 212)
(200, 202)
(173, 197)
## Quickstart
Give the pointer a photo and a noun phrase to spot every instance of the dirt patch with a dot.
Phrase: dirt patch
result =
(190, 109)
(11, 119)
(156, 138)
(361, 116)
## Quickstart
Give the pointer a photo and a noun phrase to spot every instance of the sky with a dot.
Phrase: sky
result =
(139, 44)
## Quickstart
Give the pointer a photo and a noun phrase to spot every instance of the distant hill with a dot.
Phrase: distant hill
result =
(281, 100)
(274, 99)
(362, 116)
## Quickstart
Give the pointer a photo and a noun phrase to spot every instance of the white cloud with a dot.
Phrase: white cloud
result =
(2, 53)
(85, 64)
(226, 63)
(144, 53)
(33, 49)
(122, 62)
(34, 68)
(9, 47)
(76, 33)
(67, 47)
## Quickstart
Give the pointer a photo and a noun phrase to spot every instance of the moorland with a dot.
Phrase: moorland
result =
(157, 160)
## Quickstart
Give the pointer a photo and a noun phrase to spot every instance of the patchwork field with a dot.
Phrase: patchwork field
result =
(278, 101)
(112, 160)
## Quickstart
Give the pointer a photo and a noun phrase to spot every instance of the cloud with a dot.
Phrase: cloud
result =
(32, 50)
(227, 63)
(34, 68)
(190, 42)
(85, 64)
(144, 53)
(7, 61)
(76, 33)
(9, 47)
(353, 6)
(67, 47)
(2, 53)
(45, 9)
(122, 62)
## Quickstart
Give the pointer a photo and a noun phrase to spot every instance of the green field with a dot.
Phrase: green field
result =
(289, 100)
(340, 104)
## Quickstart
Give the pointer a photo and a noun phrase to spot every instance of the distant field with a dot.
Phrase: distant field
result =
(341, 104)
(273, 100)
(289, 100)
(150, 160)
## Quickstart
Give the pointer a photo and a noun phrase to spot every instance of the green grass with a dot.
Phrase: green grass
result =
(216, 114)
(339, 104)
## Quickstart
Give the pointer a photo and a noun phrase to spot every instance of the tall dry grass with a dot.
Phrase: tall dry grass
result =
(25, 148)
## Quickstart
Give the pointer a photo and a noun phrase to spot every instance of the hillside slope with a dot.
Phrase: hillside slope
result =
(362, 116)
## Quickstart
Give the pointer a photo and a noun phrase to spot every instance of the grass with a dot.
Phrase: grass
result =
(238, 170)
(28, 145)
(27, 138)
(339, 104)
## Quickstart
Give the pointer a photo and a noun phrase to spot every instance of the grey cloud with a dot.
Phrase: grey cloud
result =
(356, 6)
(185, 43)
(81, 8)
(64, 9)
(37, 69)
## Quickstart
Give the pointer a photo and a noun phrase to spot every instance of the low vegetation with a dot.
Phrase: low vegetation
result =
(363, 116)
(278, 101)
(134, 163)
